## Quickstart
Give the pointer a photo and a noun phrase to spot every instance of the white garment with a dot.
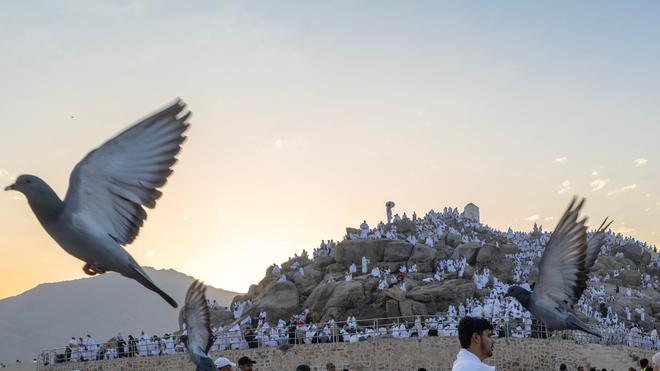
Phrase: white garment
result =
(467, 361)
(365, 263)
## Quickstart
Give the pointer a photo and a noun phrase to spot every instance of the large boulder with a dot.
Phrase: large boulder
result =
(278, 299)
(631, 278)
(405, 226)
(444, 252)
(636, 255)
(335, 300)
(444, 293)
(412, 308)
(487, 253)
(468, 251)
(352, 251)
(424, 256)
(305, 284)
(221, 317)
(509, 248)
(397, 251)
(392, 308)
(452, 239)
(394, 293)
(323, 261)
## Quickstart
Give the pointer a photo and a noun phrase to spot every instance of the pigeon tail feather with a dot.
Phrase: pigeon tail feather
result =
(142, 278)
(576, 324)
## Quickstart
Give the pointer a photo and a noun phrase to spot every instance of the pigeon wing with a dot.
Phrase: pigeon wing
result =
(595, 243)
(562, 275)
(112, 183)
(198, 322)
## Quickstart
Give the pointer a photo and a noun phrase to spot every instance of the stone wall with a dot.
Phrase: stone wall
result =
(433, 353)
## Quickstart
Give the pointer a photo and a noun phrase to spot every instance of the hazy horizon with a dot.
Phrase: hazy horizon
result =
(309, 116)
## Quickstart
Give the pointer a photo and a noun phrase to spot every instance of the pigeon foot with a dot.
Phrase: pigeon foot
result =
(92, 270)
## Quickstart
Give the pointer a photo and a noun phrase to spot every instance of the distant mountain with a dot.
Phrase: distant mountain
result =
(48, 315)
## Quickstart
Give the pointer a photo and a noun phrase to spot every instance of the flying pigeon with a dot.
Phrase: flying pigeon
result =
(562, 275)
(103, 208)
(195, 314)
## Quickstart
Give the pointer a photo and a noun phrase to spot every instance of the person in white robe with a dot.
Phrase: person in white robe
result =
(403, 331)
(352, 268)
(471, 360)
(429, 241)
(169, 345)
(477, 311)
(282, 278)
(349, 277)
(301, 271)
(75, 350)
(364, 230)
(92, 347)
(365, 264)
(411, 239)
(276, 270)
(375, 272)
(413, 269)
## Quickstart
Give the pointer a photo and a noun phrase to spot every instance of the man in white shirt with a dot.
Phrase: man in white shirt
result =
(474, 335)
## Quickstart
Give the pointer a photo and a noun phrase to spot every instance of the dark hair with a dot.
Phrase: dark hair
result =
(563, 367)
(468, 326)
(644, 362)
(303, 368)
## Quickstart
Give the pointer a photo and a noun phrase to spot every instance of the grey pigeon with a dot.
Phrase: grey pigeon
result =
(103, 208)
(195, 314)
(562, 275)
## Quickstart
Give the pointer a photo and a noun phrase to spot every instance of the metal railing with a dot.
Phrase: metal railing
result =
(337, 331)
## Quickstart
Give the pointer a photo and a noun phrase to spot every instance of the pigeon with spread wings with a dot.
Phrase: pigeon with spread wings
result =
(562, 275)
(103, 208)
(195, 315)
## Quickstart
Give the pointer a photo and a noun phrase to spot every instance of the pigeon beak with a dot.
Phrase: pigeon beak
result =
(9, 187)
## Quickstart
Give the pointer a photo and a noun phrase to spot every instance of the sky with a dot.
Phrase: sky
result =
(308, 116)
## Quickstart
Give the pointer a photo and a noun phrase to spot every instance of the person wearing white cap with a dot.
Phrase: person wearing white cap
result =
(223, 364)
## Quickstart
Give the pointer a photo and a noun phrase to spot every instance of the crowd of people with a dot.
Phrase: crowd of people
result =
(508, 317)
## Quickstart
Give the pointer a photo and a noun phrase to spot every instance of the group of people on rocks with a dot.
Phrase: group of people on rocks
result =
(628, 324)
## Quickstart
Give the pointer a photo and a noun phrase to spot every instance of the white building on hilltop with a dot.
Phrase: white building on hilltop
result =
(471, 211)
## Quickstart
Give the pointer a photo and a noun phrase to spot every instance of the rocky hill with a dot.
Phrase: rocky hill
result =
(325, 292)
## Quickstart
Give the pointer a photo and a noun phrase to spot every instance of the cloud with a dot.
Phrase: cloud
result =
(4, 173)
(185, 218)
(549, 218)
(561, 160)
(150, 253)
(533, 217)
(599, 184)
(640, 162)
(565, 187)
(278, 143)
(623, 189)
(594, 173)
